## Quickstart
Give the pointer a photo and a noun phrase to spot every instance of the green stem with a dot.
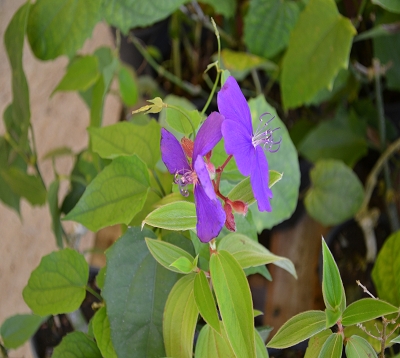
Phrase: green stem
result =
(186, 116)
(188, 87)
(256, 81)
(157, 179)
(94, 293)
(390, 205)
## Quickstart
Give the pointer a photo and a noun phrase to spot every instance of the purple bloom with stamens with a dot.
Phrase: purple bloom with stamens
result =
(246, 146)
(209, 211)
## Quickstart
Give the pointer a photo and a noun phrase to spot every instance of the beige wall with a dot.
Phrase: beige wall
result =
(59, 121)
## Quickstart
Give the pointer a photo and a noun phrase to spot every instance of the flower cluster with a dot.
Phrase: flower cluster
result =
(190, 162)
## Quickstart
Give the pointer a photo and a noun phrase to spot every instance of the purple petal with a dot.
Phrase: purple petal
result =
(232, 104)
(204, 177)
(259, 179)
(172, 153)
(210, 215)
(209, 134)
(238, 143)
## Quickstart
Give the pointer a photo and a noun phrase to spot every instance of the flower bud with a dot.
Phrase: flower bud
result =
(211, 170)
(240, 207)
(230, 219)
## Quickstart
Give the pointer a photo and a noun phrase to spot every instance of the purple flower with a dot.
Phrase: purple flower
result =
(245, 145)
(209, 211)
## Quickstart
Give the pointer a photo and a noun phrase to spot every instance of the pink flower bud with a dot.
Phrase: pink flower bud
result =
(240, 207)
(230, 219)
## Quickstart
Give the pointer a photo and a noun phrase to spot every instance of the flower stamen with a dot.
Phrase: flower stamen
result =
(264, 137)
(184, 178)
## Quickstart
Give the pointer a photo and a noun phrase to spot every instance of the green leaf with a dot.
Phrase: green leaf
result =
(58, 284)
(166, 254)
(60, 27)
(374, 326)
(261, 350)
(386, 271)
(332, 347)
(358, 347)
(366, 309)
(125, 138)
(243, 191)
(332, 316)
(314, 58)
(183, 265)
(82, 73)
(396, 340)
(76, 345)
(127, 85)
(336, 193)
(285, 160)
(298, 328)
(101, 331)
(227, 8)
(316, 342)
(234, 301)
(180, 122)
(180, 318)
(240, 64)
(332, 285)
(212, 344)
(205, 301)
(177, 216)
(19, 110)
(115, 196)
(389, 5)
(135, 291)
(274, 18)
(341, 138)
(28, 186)
(250, 253)
(128, 14)
(55, 212)
(377, 31)
(100, 278)
(16, 330)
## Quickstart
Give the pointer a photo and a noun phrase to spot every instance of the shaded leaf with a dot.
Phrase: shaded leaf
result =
(127, 85)
(389, 5)
(76, 345)
(358, 347)
(227, 8)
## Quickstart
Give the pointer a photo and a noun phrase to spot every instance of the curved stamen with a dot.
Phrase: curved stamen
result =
(265, 137)
(184, 178)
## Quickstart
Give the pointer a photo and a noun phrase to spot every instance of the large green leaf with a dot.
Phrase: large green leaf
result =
(125, 138)
(180, 318)
(234, 301)
(115, 196)
(16, 330)
(267, 26)
(365, 310)
(343, 138)
(332, 285)
(205, 301)
(19, 111)
(177, 216)
(319, 47)
(58, 284)
(60, 27)
(285, 161)
(211, 344)
(386, 271)
(250, 253)
(358, 347)
(332, 347)
(82, 73)
(299, 328)
(336, 193)
(101, 331)
(390, 5)
(76, 345)
(135, 291)
(127, 14)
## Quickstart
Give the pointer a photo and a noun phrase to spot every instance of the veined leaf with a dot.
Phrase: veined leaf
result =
(332, 347)
(101, 331)
(358, 347)
(212, 344)
(316, 342)
(76, 345)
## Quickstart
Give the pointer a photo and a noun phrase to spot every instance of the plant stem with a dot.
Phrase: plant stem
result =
(256, 81)
(390, 205)
(188, 87)
(186, 116)
(94, 293)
